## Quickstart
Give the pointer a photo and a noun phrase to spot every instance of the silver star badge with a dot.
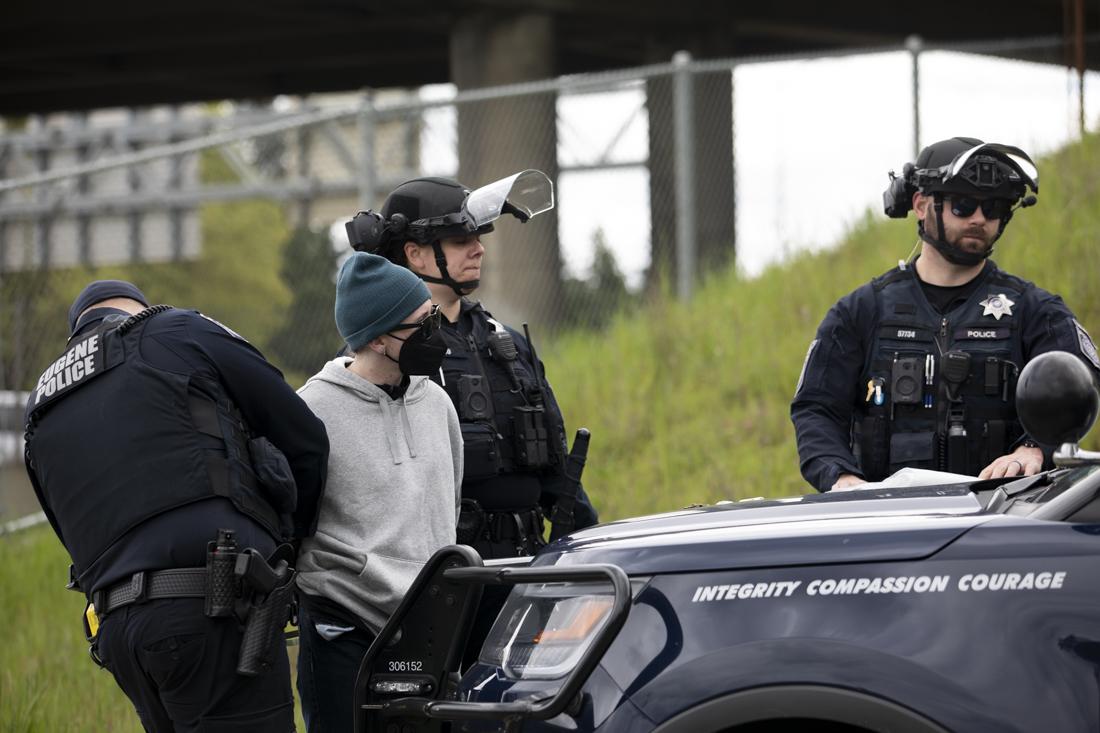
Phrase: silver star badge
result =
(997, 306)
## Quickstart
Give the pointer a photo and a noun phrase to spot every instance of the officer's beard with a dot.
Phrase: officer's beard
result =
(955, 252)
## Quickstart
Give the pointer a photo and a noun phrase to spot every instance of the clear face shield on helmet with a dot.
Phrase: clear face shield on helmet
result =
(523, 195)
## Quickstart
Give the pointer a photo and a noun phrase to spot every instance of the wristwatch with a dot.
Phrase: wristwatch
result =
(1029, 443)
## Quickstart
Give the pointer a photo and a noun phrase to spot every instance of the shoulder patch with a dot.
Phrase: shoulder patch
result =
(224, 327)
(1088, 348)
(805, 364)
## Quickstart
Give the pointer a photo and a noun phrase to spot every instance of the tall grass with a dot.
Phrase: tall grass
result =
(687, 402)
(690, 402)
(47, 681)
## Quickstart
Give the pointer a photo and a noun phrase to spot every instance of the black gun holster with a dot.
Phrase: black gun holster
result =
(267, 597)
(263, 630)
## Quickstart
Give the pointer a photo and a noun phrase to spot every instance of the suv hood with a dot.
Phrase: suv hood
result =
(889, 524)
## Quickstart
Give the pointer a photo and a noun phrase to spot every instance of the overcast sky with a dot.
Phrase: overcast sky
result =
(813, 143)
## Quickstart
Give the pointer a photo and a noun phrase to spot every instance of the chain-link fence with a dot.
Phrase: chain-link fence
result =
(237, 209)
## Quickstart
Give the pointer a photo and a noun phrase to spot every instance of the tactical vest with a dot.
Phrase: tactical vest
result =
(506, 427)
(938, 391)
(183, 439)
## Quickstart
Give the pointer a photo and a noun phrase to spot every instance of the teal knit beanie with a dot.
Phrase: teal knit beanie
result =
(372, 296)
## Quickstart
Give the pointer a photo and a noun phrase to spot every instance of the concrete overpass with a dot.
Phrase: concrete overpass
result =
(69, 55)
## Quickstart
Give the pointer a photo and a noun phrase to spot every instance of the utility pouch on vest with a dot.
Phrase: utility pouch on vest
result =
(992, 381)
(273, 472)
(874, 444)
(916, 450)
(532, 445)
(480, 452)
(471, 522)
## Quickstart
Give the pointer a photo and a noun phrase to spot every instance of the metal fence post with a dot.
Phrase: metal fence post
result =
(366, 124)
(684, 152)
(915, 44)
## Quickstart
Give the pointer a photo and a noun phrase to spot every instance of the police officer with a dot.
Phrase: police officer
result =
(155, 429)
(918, 368)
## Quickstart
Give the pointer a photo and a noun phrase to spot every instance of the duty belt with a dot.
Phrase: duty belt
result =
(149, 585)
(519, 525)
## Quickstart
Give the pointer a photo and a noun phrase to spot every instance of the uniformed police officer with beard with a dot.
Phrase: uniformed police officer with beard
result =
(512, 428)
(918, 368)
(155, 429)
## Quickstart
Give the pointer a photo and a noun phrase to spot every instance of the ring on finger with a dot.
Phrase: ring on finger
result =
(1017, 463)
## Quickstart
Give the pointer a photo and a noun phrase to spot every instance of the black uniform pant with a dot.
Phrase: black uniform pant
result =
(178, 667)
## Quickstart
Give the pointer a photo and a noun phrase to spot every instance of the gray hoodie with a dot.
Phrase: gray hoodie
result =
(392, 496)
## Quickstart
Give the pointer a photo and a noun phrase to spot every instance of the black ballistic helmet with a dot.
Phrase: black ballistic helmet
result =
(426, 210)
(962, 166)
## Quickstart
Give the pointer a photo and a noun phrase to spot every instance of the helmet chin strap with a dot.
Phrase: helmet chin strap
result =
(951, 252)
(461, 289)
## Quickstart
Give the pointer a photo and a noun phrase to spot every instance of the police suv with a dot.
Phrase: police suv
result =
(948, 604)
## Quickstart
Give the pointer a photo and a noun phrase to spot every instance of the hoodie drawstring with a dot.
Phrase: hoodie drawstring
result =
(391, 438)
(391, 435)
(408, 428)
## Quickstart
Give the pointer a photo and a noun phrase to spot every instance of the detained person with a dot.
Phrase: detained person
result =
(395, 471)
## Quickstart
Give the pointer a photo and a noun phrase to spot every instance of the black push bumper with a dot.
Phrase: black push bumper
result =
(409, 675)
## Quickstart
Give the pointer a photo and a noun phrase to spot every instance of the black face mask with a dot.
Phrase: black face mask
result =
(422, 353)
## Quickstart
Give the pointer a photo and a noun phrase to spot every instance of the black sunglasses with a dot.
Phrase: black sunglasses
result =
(429, 324)
(965, 206)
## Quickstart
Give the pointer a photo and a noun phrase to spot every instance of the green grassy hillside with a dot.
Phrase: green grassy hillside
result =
(688, 402)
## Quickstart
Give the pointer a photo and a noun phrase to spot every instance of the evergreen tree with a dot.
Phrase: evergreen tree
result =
(591, 303)
(307, 337)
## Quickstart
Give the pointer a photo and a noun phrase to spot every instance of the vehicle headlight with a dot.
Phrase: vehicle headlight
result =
(544, 628)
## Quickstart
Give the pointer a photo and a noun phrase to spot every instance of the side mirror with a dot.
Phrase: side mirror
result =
(1056, 398)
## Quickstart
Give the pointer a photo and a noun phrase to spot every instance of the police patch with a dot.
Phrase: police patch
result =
(1088, 348)
(82, 361)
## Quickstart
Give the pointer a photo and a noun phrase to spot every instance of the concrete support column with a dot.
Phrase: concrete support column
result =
(521, 277)
(712, 161)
